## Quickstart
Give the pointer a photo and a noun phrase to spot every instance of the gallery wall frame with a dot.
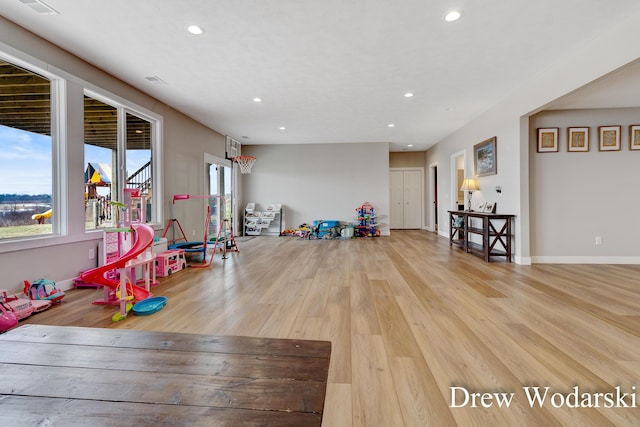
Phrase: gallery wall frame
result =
(578, 139)
(609, 138)
(547, 140)
(485, 157)
(634, 137)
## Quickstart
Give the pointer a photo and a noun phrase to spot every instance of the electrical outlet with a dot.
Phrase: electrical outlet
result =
(92, 253)
(598, 240)
(193, 232)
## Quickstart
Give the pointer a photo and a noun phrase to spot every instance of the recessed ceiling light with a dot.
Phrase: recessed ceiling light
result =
(410, 145)
(257, 99)
(244, 137)
(453, 15)
(282, 128)
(155, 80)
(408, 95)
(391, 125)
(194, 29)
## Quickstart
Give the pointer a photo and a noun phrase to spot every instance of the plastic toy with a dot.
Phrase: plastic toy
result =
(118, 316)
(226, 239)
(149, 306)
(366, 225)
(41, 217)
(129, 291)
(43, 289)
(169, 262)
(21, 307)
(102, 275)
(323, 229)
(40, 305)
(8, 318)
(303, 231)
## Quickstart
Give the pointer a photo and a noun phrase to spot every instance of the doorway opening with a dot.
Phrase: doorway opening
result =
(433, 198)
(458, 162)
(218, 181)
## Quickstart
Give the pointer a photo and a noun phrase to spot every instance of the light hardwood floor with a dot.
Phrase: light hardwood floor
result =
(409, 318)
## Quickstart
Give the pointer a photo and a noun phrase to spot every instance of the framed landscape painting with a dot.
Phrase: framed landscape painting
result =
(485, 157)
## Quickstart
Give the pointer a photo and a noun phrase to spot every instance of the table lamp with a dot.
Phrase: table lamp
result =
(470, 185)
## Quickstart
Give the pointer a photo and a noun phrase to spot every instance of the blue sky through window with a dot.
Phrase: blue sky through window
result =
(25, 161)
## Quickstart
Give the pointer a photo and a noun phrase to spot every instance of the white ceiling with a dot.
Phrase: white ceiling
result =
(619, 89)
(329, 71)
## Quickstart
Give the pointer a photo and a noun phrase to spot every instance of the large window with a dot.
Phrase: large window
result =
(101, 159)
(218, 181)
(139, 161)
(26, 154)
(38, 164)
(112, 177)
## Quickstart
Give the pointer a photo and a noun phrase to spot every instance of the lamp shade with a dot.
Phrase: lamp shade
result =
(469, 184)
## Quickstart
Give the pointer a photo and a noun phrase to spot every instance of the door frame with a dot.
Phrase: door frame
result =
(454, 176)
(422, 198)
(214, 160)
(431, 219)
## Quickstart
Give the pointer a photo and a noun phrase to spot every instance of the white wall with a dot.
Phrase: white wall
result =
(319, 181)
(506, 133)
(509, 122)
(61, 258)
(578, 196)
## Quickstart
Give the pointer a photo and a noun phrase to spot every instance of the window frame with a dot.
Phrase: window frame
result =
(64, 197)
(59, 195)
(123, 108)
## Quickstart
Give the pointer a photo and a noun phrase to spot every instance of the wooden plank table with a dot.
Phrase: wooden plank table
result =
(57, 375)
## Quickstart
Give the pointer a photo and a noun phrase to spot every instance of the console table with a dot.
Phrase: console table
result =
(495, 230)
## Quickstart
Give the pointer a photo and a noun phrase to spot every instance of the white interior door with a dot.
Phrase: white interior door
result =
(412, 199)
(396, 184)
(406, 199)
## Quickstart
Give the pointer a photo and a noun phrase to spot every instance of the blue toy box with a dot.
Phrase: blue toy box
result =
(325, 226)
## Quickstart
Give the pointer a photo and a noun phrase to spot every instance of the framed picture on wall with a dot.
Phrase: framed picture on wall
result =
(578, 140)
(634, 137)
(547, 140)
(485, 159)
(609, 138)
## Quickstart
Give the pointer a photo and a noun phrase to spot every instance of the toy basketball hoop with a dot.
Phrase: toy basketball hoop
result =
(245, 163)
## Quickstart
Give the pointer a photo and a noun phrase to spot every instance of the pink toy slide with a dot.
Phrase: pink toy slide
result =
(144, 239)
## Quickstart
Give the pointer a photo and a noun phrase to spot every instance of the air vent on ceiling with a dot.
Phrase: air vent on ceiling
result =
(155, 80)
(41, 7)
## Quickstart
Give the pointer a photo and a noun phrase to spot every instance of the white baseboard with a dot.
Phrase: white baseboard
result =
(65, 285)
(522, 260)
(585, 260)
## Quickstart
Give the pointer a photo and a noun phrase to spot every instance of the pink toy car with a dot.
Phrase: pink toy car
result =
(20, 306)
(169, 262)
